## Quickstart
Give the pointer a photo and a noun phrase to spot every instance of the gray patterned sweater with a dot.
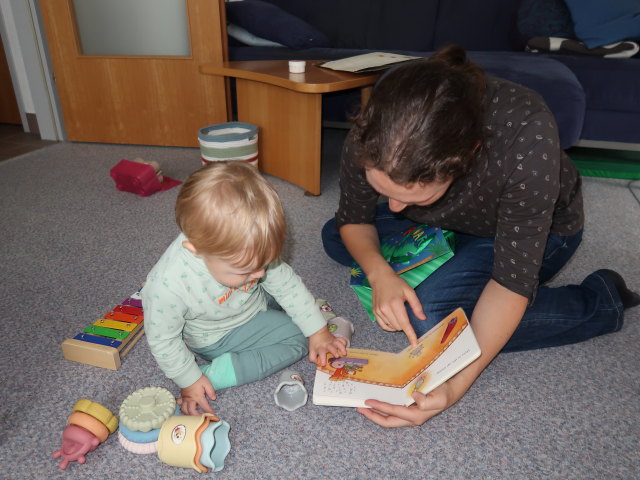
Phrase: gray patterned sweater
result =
(522, 187)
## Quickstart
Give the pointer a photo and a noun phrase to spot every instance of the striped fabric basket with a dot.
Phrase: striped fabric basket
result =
(229, 141)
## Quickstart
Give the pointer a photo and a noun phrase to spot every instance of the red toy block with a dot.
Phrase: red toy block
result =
(140, 178)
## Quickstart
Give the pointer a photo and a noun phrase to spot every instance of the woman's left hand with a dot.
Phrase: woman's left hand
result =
(495, 317)
(426, 406)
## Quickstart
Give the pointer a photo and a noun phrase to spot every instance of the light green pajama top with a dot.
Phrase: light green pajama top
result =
(185, 306)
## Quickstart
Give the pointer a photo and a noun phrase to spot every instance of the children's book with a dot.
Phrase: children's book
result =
(414, 254)
(367, 62)
(392, 377)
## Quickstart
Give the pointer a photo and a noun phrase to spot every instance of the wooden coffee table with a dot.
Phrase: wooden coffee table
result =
(287, 107)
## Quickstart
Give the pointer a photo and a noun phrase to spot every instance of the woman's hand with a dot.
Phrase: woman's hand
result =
(426, 407)
(389, 295)
(390, 292)
(195, 396)
(323, 342)
(494, 320)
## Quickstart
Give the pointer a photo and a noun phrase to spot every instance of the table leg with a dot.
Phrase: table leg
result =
(365, 94)
(290, 130)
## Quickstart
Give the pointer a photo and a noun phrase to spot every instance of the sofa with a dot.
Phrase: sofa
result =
(593, 97)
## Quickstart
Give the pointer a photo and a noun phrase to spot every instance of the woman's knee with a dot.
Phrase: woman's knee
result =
(558, 252)
(459, 282)
(333, 245)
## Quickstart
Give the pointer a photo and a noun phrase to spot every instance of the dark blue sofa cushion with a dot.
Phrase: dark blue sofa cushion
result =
(369, 24)
(268, 21)
(622, 76)
(484, 26)
(613, 113)
(553, 80)
(611, 126)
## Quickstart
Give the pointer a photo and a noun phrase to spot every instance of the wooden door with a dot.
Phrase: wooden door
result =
(145, 100)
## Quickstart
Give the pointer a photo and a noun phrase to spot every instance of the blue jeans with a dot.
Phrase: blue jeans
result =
(558, 315)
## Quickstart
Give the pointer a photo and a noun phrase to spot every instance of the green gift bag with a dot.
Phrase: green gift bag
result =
(414, 254)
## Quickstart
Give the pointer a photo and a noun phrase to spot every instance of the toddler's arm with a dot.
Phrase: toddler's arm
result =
(323, 342)
(195, 396)
(165, 311)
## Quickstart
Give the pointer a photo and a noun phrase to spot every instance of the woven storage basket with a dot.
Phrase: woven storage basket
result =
(229, 141)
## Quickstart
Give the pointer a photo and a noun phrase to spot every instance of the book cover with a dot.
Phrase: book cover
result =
(392, 377)
(413, 254)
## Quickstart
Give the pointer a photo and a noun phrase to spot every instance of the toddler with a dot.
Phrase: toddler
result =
(209, 292)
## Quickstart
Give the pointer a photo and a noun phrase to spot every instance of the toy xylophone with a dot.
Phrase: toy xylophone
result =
(107, 340)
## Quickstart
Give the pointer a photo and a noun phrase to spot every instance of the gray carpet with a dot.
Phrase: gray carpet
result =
(72, 246)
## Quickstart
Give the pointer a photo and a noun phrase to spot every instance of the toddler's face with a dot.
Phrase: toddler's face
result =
(229, 275)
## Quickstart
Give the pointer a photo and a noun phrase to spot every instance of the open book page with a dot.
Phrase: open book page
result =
(368, 374)
(397, 369)
(354, 394)
(367, 62)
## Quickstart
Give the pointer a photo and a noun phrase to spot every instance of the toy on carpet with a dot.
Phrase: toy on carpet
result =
(141, 415)
(89, 425)
(192, 441)
(141, 177)
(290, 393)
(150, 422)
(107, 340)
(338, 326)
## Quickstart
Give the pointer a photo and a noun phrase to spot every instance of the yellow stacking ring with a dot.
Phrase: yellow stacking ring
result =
(98, 412)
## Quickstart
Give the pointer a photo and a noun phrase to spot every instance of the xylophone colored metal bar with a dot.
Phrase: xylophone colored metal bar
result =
(106, 341)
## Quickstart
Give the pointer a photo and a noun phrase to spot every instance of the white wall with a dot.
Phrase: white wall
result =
(30, 71)
(15, 58)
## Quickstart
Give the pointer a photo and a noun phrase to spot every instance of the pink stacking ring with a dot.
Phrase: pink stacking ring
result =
(138, 448)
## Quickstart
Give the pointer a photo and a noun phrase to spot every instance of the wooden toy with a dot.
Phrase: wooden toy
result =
(106, 341)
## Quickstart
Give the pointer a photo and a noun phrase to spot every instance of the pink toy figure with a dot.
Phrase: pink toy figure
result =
(76, 443)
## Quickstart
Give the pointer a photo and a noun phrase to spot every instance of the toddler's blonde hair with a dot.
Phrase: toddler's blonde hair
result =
(228, 210)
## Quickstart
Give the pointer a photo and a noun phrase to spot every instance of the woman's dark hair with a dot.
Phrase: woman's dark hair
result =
(424, 120)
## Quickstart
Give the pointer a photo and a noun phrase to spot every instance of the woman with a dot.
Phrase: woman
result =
(480, 156)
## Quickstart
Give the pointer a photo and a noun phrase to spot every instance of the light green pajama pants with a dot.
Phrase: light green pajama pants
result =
(264, 345)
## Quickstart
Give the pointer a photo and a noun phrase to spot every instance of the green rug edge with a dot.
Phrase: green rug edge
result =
(605, 163)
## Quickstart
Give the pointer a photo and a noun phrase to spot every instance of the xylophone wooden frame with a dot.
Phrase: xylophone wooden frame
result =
(103, 355)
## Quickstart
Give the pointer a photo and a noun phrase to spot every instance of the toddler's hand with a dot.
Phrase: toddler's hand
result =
(195, 396)
(322, 342)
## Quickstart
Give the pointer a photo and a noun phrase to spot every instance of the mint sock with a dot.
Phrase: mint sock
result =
(220, 372)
